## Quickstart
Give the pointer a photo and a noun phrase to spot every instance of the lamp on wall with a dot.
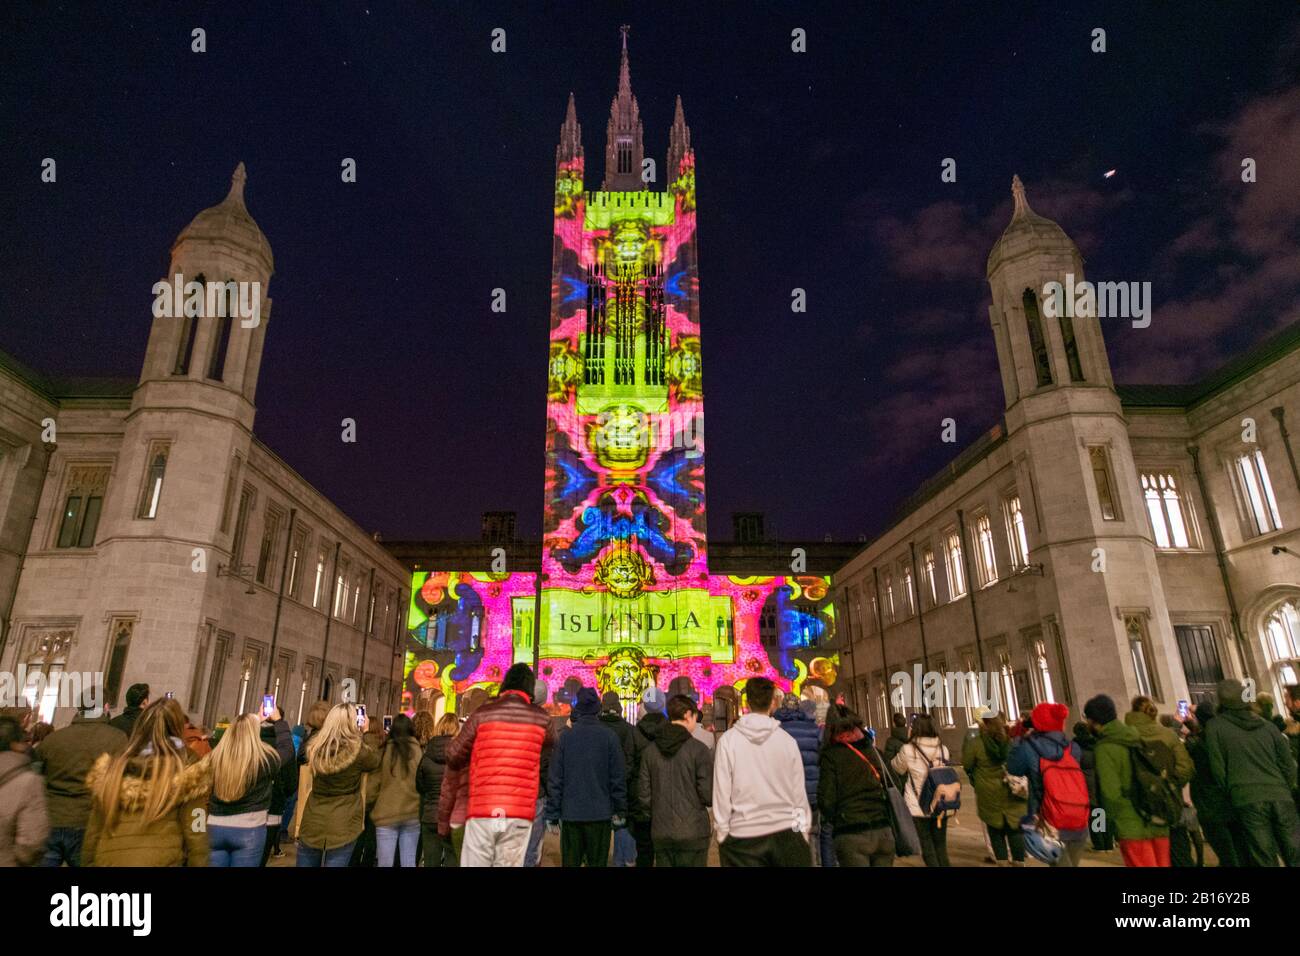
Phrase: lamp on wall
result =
(243, 572)
(1027, 569)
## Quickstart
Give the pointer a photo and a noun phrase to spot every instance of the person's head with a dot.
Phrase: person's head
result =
(333, 746)
(1232, 695)
(610, 704)
(1049, 717)
(992, 725)
(778, 699)
(401, 746)
(137, 695)
(840, 720)
(1292, 699)
(1099, 711)
(12, 735)
(760, 695)
(587, 703)
(239, 757)
(424, 724)
(1204, 713)
(653, 701)
(1081, 730)
(519, 677)
(1264, 705)
(157, 756)
(923, 726)
(682, 710)
(899, 721)
(316, 714)
(447, 725)
(1145, 705)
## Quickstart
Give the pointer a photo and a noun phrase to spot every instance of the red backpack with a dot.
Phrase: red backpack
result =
(1065, 792)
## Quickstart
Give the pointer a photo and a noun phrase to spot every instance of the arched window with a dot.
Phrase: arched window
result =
(221, 333)
(1037, 341)
(189, 326)
(1282, 643)
(1071, 349)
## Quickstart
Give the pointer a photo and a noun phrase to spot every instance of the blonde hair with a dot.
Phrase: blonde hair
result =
(156, 730)
(337, 733)
(424, 726)
(317, 713)
(240, 757)
(448, 725)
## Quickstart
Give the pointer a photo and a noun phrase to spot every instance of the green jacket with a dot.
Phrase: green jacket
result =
(1249, 756)
(986, 767)
(335, 812)
(1149, 728)
(1115, 782)
(68, 755)
(171, 840)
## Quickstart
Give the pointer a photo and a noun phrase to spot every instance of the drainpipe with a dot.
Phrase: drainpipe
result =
(365, 637)
(329, 619)
(880, 629)
(393, 686)
(279, 603)
(27, 540)
(853, 656)
(1195, 452)
(1280, 414)
(920, 618)
(970, 585)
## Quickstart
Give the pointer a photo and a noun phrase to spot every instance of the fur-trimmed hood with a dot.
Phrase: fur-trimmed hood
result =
(342, 759)
(196, 782)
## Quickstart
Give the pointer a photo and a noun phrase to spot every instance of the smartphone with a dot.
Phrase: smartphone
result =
(388, 722)
(268, 705)
(171, 695)
(361, 716)
(1184, 710)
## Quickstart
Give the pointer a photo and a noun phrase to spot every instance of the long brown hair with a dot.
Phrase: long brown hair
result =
(994, 727)
(154, 743)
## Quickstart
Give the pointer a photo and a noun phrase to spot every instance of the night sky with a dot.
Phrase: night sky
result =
(818, 170)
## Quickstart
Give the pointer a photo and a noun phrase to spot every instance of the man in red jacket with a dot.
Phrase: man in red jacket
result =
(502, 745)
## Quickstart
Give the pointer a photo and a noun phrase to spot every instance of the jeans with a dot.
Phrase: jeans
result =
(334, 857)
(865, 848)
(585, 843)
(826, 845)
(934, 840)
(64, 846)
(625, 847)
(235, 846)
(390, 839)
(1272, 829)
(495, 841)
(1071, 853)
(533, 856)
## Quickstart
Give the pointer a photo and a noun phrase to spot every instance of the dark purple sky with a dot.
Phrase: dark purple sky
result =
(818, 170)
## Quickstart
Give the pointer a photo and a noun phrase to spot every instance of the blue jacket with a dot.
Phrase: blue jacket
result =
(808, 736)
(1023, 762)
(587, 778)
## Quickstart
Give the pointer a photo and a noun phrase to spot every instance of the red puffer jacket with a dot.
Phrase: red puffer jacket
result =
(502, 744)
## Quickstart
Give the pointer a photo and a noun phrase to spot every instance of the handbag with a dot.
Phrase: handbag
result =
(1018, 786)
(906, 840)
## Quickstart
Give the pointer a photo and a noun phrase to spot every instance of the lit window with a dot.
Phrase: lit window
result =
(318, 592)
(1166, 508)
(1282, 630)
(81, 508)
(1101, 477)
(1011, 705)
(889, 597)
(953, 562)
(1137, 647)
(909, 600)
(1044, 672)
(151, 493)
(1257, 490)
(341, 590)
(927, 575)
(1016, 538)
(986, 564)
(295, 560)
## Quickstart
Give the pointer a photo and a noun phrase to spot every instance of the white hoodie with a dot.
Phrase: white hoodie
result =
(758, 785)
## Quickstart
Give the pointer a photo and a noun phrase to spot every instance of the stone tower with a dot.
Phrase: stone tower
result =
(1070, 444)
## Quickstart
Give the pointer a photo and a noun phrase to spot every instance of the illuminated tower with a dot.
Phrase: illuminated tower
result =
(624, 533)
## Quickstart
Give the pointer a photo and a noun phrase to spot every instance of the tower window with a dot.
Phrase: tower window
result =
(1071, 348)
(151, 493)
(1166, 509)
(82, 504)
(1257, 493)
(1037, 341)
(1016, 537)
(189, 328)
(624, 149)
(1104, 482)
(221, 334)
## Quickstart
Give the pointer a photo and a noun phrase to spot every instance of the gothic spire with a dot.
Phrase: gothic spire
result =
(570, 147)
(679, 143)
(623, 150)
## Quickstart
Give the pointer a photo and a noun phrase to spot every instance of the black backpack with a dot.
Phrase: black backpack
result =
(1157, 799)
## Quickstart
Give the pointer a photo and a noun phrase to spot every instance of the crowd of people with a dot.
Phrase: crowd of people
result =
(792, 783)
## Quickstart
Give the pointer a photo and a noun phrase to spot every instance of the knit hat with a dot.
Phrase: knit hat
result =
(610, 703)
(1101, 709)
(654, 700)
(587, 704)
(1049, 717)
(1231, 695)
(519, 677)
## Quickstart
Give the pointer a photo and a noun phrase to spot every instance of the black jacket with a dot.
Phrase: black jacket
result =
(897, 737)
(428, 778)
(279, 736)
(625, 733)
(675, 780)
(642, 736)
(587, 779)
(125, 721)
(850, 796)
(261, 795)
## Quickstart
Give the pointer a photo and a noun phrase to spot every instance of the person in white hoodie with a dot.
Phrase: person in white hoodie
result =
(914, 759)
(760, 807)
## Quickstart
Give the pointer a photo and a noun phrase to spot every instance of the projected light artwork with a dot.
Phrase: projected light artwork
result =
(626, 599)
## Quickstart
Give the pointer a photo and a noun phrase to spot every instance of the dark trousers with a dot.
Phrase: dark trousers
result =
(584, 844)
(437, 851)
(865, 848)
(782, 848)
(1226, 840)
(1272, 829)
(645, 848)
(1000, 838)
(668, 853)
(366, 851)
(934, 840)
(63, 846)
(1185, 847)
